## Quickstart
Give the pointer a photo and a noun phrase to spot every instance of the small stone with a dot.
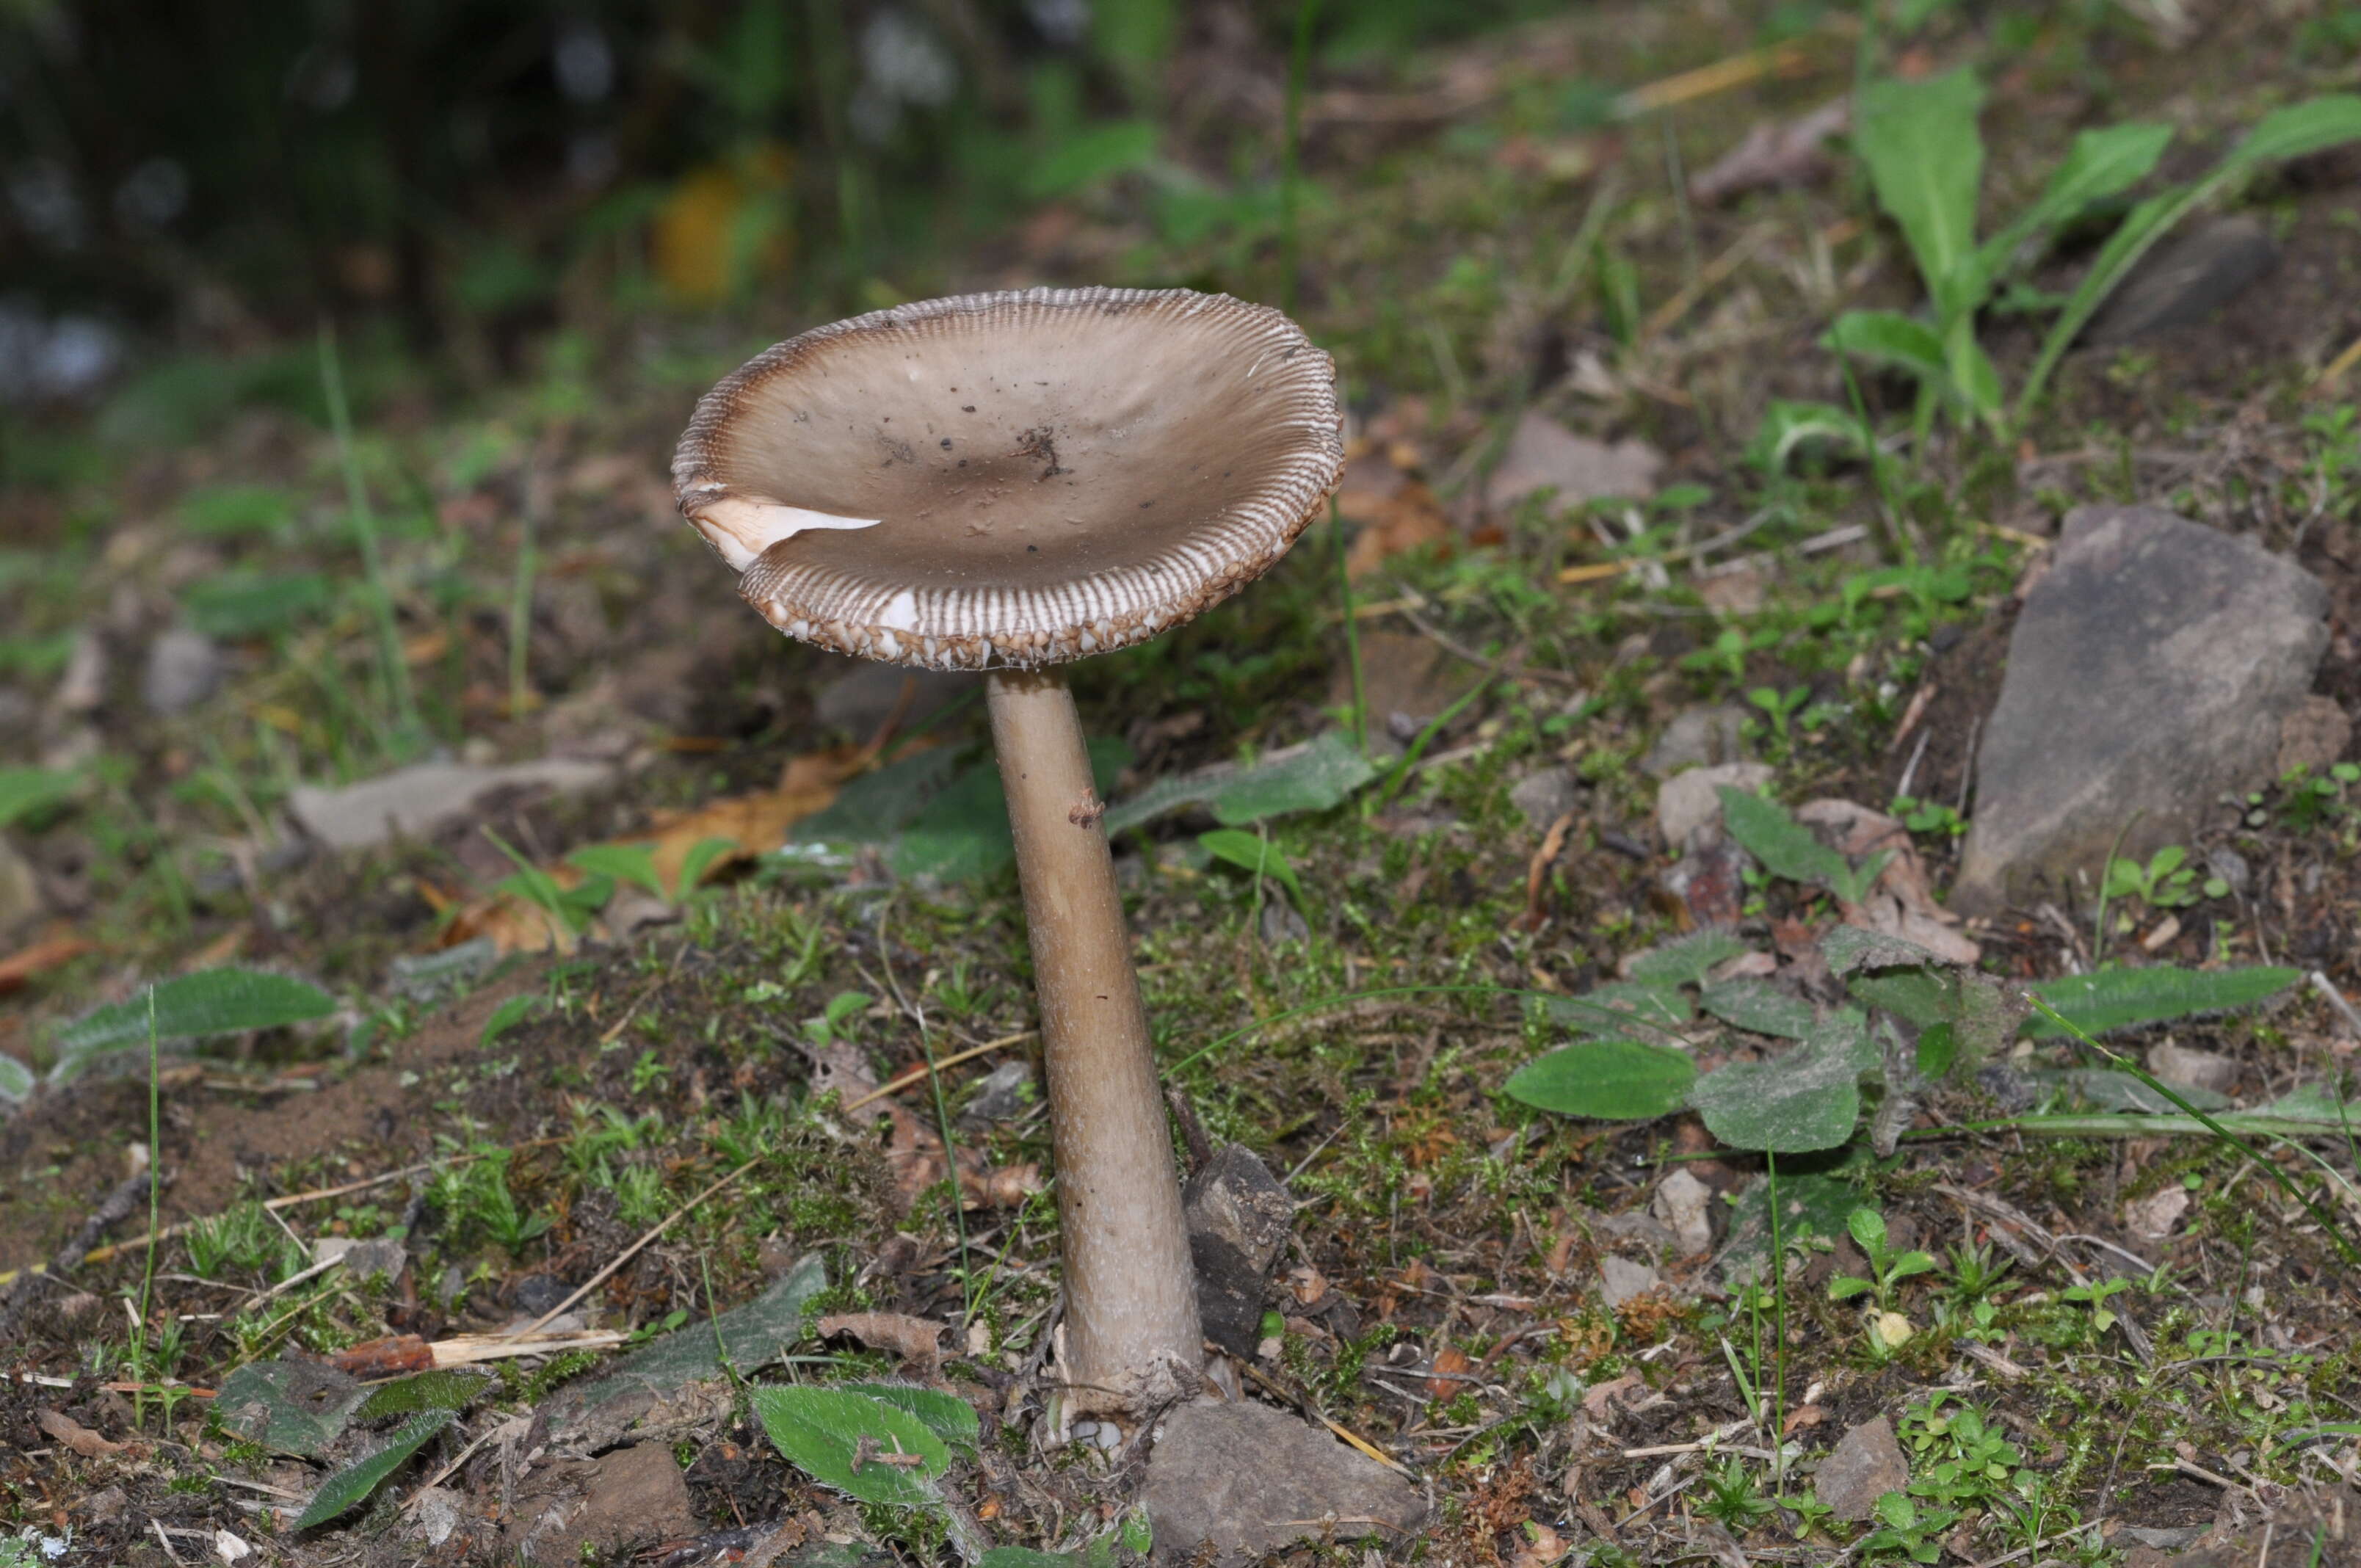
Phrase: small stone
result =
(538, 1293)
(2151, 1218)
(2193, 1068)
(1688, 802)
(571, 1509)
(2147, 674)
(2181, 284)
(1865, 1464)
(1248, 1480)
(1544, 797)
(105, 1506)
(1008, 1090)
(184, 667)
(419, 799)
(1544, 455)
(1621, 1280)
(2314, 735)
(1279, 924)
(1698, 736)
(1683, 1202)
(434, 1516)
(84, 685)
(1238, 1216)
(20, 890)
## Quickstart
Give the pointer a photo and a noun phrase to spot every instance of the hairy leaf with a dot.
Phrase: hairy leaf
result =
(2301, 129)
(1848, 947)
(1685, 960)
(2112, 1090)
(211, 1002)
(357, 1480)
(292, 1407)
(1258, 855)
(1785, 846)
(1926, 163)
(1810, 1204)
(2127, 998)
(1789, 426)
(948, 1416)
(16, 1081)
(1806, 1099)
(1323, 773)
(1612, 1079)
(835, 1436)
(444, 1388)
(1760, 1007)
(1615, 1007)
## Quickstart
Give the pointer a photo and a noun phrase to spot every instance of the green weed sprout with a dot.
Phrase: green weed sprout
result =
(1887, 1268)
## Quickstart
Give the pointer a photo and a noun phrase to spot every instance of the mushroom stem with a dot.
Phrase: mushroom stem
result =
(1133, 1340)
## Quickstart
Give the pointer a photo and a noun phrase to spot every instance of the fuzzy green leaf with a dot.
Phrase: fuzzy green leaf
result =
(1848, 947)
(1926, 163)
(1756, 1006)
(948, 1416)
(1789, 426)
(211, 1002)
(2102, 163)
(444, 1388)
(1254, 854)
(2127, 998)
(357, 1480)
(1785, 846)
(1890, 340)
(1323, 773)
(1685, 960)
(1612, 1079)
(1810, 1204)
(24, 791)
(821, 1432)
(633, 863)
(1806, 1099)
(1615, 1007)
(292, 1407)
(16, 1081)
(2300, 130)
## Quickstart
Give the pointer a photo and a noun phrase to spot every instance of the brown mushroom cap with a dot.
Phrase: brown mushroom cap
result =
(1013, 479)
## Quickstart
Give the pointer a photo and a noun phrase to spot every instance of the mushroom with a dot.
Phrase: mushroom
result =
(1005, 482)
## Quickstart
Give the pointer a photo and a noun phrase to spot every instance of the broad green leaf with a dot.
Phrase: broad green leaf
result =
(1615, 1007)
(24, 791)
(2102, 163)
(1785, 846)
(1848, 947)
(961, 834)
(444, 1388)
(1926, 163)
(948, 1416)
(1758, 1006)
(830, 1434)
(2300, 130)
(1889, 339)
(291, 1406)
(16, 1079)
(747, 1338)
(2112, 1090)
(633, 863)
(1323, 773)
(357, 1480)
(237, 605)
(1868, 1229)
(1808, 1099)
(2127, 998)
(1810, 1204)
(699, 861)
(1788, 426)
(874, 806)
(1255, 854)
(1685, 960)
(1610, 1080)
(211, 1002)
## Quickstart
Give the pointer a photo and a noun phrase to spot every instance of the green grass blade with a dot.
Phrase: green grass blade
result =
(2102, 163)
(356, 1481)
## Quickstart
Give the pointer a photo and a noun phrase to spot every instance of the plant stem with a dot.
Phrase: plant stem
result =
(1299, 66)
(521, 612)
(393, 673)
(1352, 629)
(1778, 1326)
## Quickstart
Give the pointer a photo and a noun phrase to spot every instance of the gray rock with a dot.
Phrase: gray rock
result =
(1683, 1204)
(2148, 675)
(2314, 735)
(2181, 284)
(1249, 1480)
(184, 667)
(2193, 1068)
(1006, 1090)
(1621, 1280)
(1688, 802)
(1698, 736)
(365, 1259)
(20, 890)
(434, 1516)
(1865, 1464)
(418, 799)
(866, 695)
(1546, 796)
(1238, 1216)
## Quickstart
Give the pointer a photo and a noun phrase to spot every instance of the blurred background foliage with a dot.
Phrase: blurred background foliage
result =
(191, 187)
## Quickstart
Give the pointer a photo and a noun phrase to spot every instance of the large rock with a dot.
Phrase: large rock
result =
(1238, 1216)
(1250, 1480)
(2148, 677)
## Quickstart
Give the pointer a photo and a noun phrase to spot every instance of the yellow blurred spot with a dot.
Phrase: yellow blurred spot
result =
(722, 223)
(1892, 1329)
